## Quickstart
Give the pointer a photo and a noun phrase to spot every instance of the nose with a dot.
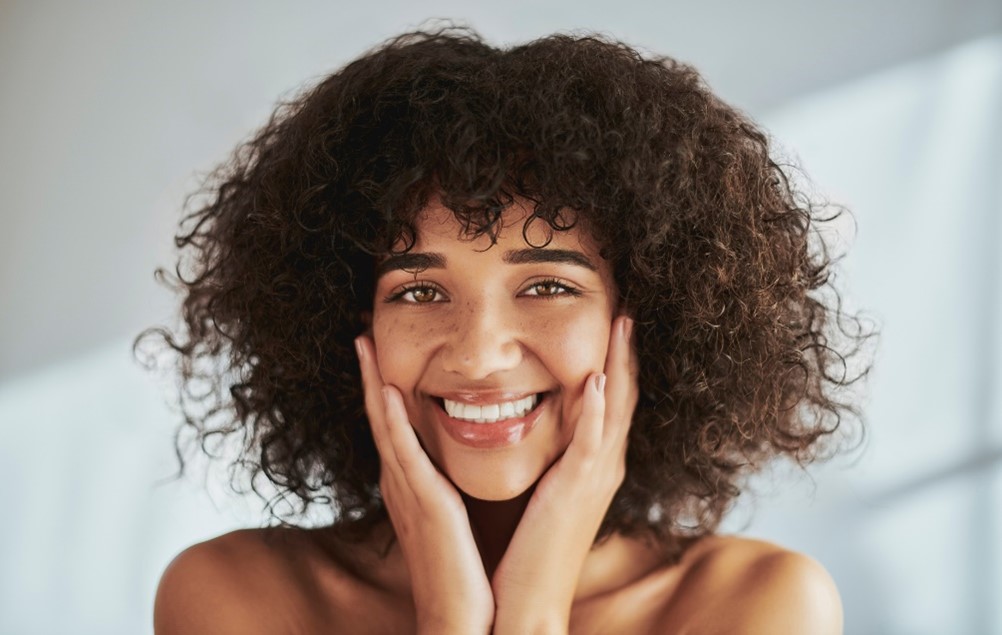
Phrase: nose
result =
(483, 341)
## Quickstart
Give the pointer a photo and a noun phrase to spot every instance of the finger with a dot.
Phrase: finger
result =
(621, 389)
(587, 439)
(392, 483)
(415, 466)
(375, 409)
(404, 464)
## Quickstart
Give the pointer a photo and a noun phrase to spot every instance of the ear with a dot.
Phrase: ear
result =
(367, 321)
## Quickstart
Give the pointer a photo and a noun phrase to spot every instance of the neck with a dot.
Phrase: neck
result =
(494, 524)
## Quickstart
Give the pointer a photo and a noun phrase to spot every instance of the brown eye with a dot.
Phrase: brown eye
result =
(420, 295)
(549, 289)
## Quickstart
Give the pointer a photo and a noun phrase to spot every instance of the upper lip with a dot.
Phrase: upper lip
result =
(485, 397)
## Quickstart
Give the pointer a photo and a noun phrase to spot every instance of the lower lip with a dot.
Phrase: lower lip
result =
(489, 436)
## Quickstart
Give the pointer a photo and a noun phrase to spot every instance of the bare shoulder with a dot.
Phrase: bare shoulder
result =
(732, 584)
(235, 583)
(283, 580)
(247, 582)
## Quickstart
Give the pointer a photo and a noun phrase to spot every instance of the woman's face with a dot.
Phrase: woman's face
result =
(490, 346)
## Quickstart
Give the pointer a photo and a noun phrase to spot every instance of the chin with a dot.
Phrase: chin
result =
(497, 480)
(494, 491)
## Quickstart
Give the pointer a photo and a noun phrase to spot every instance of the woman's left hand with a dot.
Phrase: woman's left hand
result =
(535, 582)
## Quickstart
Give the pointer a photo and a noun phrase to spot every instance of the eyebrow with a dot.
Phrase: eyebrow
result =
(561, 256)
(422, 261)
(410, 262)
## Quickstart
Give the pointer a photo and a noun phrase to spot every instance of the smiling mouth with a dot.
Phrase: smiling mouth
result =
(490, 413)
(490, 426)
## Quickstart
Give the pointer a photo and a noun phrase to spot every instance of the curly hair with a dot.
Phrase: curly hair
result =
(743, 343)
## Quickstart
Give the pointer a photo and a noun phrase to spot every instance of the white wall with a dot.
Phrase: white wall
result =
(911, 530)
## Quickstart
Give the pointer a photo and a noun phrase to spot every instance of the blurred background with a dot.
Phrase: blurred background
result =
(110, 111)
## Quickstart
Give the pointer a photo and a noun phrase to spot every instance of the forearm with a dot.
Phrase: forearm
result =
(535, 613)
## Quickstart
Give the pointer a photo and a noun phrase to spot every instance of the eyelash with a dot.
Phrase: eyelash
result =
(564, 289)
(548, 282)
(398, 296)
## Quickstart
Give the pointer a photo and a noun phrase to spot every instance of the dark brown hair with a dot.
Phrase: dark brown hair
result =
(743, 345)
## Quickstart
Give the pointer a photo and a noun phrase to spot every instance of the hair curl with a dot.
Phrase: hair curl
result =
(743, 344)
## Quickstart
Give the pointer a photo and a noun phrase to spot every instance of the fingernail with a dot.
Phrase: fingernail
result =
(600, 383)
(358, 348)
(627, 328)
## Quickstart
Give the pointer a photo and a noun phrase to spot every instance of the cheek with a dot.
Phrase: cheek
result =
(395, 347)
(572, 349)
(403, 345)
(574, 345)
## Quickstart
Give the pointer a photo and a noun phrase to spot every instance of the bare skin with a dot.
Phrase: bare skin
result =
(278, 581)
(494, 539)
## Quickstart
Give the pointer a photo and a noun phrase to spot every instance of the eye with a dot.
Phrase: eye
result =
(550, 288)
(417, 294)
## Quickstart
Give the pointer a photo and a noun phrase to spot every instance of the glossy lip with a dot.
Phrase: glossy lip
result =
(490, 436)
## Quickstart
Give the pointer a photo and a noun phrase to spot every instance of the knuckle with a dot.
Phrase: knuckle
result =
(407, 462)
(585, 463)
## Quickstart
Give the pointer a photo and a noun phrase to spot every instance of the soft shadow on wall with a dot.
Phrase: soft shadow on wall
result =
(913, 531)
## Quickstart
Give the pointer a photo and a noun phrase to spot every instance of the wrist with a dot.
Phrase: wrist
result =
(459, 623)
(526, 622)
(523, 611)
(439, 628)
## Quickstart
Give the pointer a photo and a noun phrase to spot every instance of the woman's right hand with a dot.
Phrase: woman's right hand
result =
(451, 591)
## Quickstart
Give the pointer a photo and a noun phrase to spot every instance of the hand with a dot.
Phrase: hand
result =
(535, 582)
(450, 587)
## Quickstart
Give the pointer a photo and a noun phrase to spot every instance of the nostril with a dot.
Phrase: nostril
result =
(477, 353)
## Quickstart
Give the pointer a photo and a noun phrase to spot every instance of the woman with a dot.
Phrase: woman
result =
(524, 319)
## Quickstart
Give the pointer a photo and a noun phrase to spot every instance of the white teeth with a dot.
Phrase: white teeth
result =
(490, 413)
